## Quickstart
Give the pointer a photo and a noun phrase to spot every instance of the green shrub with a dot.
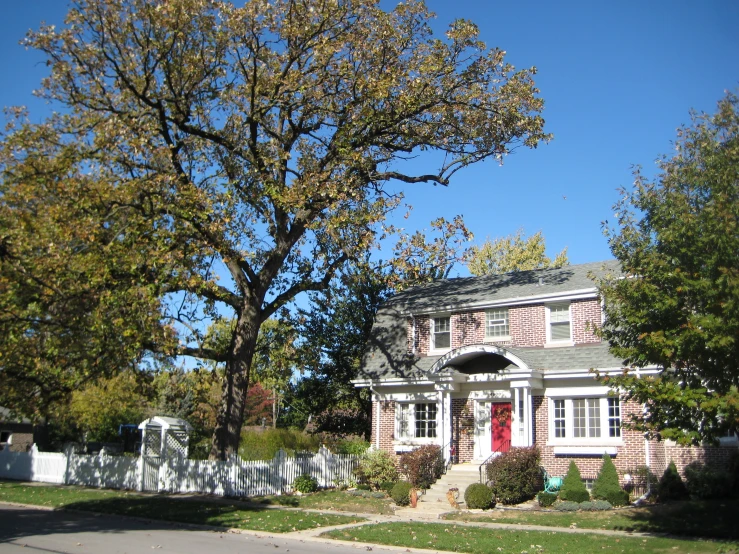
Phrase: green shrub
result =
(606, 486)
(387, 486)
(515, 476)
(707, 482)
(478, 496)
(363, 487)
(305, 484)
(567, 506)
(573, 489)
(601, 505)
(546, 499)
(378, 494)
(401, 493)
(587, 506)
(264, 445)
(617, 497)
(671, 485)
(423, 465)
(375, 467)
(356, 447)
(733, 469)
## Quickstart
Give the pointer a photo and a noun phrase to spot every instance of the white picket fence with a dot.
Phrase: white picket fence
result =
(235, 477)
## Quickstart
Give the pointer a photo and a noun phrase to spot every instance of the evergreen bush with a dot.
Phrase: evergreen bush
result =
(401, 493)
(387, 486)
(305, 484)
(515, 476)
(423, 465)
(607, 487)
(573, 489)
(478, 496)
(375, 467)
(671, 485)
(546, 499)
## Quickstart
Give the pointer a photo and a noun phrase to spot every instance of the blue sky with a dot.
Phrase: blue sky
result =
(618, 78)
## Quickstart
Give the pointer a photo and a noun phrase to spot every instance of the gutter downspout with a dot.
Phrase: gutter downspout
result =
(377, 436)
(413, 334)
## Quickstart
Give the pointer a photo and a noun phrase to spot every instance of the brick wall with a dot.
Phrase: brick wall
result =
(465, 436)
(387, 425)
(468, 328)
(527, 325)
(422, 336)
(661, 454)
(586, 314)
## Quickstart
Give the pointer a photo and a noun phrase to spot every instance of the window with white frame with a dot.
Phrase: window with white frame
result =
(441, 333)
(559, 329)
(496, 324)
(415, 421)
(586, 419)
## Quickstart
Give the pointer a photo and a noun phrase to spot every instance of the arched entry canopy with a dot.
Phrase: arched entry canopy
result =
(479, 358)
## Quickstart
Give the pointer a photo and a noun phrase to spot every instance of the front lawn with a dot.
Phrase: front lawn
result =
(209, 511)
(707, 518)
(476, 540)
(341, 501)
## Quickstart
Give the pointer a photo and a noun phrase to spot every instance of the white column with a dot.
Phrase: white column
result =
(446, 419)
(528, 420)
(518, 440)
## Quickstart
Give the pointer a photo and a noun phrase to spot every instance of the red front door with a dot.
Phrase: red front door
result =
(501, 426)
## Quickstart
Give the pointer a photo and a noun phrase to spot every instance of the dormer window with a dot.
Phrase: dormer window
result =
(496, 324)
(559, 328)
(441, 333)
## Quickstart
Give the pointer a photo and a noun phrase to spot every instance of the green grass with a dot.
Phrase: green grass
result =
(332, 500)
(458, 538)
(216, 512)
(715, 519)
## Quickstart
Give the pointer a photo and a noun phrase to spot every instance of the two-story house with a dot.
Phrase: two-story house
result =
(480, 364)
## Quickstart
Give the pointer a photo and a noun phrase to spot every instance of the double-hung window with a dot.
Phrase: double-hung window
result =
(496, 324)
(585, 420)
(559, 329)
(415, 421)
(441, 333)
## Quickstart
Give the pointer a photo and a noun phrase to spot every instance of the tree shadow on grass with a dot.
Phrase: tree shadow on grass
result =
(714, 519)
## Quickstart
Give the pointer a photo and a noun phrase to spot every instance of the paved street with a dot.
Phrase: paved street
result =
(28, 530)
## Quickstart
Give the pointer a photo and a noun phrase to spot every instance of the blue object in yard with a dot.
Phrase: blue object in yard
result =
(551, 484)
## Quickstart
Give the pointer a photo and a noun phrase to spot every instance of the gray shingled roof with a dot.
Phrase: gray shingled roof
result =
(466, 291)
(387, 357)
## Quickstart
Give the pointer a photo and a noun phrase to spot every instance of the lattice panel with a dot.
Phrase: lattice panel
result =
(152, 444)
(177, 442)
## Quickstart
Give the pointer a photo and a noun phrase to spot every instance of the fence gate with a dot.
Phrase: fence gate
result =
(151, 450)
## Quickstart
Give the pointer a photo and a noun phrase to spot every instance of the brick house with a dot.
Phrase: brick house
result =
(478, 365)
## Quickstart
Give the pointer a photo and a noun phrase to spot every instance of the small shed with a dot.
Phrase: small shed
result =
(165, 437)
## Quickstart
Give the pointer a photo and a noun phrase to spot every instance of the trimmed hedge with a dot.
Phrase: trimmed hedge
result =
(573, 489)
(401, 493)
(478, 496)
(515, 476)
(546, 499)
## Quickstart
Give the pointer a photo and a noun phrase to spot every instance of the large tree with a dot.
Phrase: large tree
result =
(512, 253)
(263, 144)
(677, 305)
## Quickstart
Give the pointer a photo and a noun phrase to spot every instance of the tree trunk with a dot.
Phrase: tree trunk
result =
(230, 416)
